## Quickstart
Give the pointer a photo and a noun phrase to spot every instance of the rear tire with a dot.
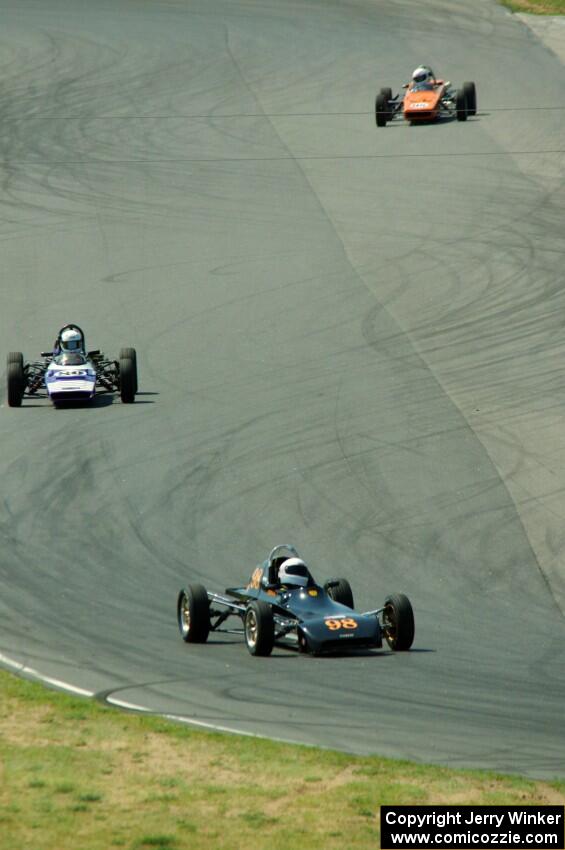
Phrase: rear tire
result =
(341, 593)
(259, 627)
(193, 614)
(15, 378)
(128, 375)
(381, 110)
(471, 98)
(461, 105)
(398, 622)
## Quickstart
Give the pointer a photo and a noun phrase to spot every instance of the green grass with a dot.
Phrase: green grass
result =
(536, 7)
(75, 775)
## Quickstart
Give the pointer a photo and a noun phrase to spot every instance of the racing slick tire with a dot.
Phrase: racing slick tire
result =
(259, 628)
(130, 353)
(128, 375)
(381, 110)
(471, 98)
(193, 614)
(340, 592)
(387, 93)
(15, 378)
(461, 105)
(398, 622)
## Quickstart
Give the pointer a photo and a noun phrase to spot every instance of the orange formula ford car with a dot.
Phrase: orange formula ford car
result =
(426, 99)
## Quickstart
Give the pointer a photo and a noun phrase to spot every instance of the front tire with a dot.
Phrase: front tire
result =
(15, 378)
(381, 110)
(193, 614)
(398, 622)
(128, 375)
(341, 592)
(470, 98)
(259, 627)
(387, 94)
(461, 105)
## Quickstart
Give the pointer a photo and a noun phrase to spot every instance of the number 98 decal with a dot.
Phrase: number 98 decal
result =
(255, 580)
(342, 623)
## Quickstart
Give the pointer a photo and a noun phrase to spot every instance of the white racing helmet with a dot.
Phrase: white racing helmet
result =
(294, 571)
(71, 340)
(422, 74)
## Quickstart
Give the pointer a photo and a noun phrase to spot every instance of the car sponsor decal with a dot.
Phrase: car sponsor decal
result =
(342, 623)
(69, 376)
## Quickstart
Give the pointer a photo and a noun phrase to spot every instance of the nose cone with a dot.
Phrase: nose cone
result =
(339, 633)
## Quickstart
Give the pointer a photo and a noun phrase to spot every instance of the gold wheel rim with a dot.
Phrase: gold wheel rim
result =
(390, 625)
(251, 628)
(185, 615)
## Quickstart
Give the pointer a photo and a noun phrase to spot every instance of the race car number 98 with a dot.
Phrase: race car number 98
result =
(255, 580)
(343, 623)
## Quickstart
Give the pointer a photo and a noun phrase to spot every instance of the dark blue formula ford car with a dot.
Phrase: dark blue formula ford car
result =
(281, 603)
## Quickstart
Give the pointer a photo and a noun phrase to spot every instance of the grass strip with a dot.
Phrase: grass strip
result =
(536, 7)
(76, 775)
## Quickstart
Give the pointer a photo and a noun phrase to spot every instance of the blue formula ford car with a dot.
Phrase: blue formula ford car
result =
(282, 604)
(70, 373)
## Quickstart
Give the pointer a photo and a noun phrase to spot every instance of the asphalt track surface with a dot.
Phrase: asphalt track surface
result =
(350, 339)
